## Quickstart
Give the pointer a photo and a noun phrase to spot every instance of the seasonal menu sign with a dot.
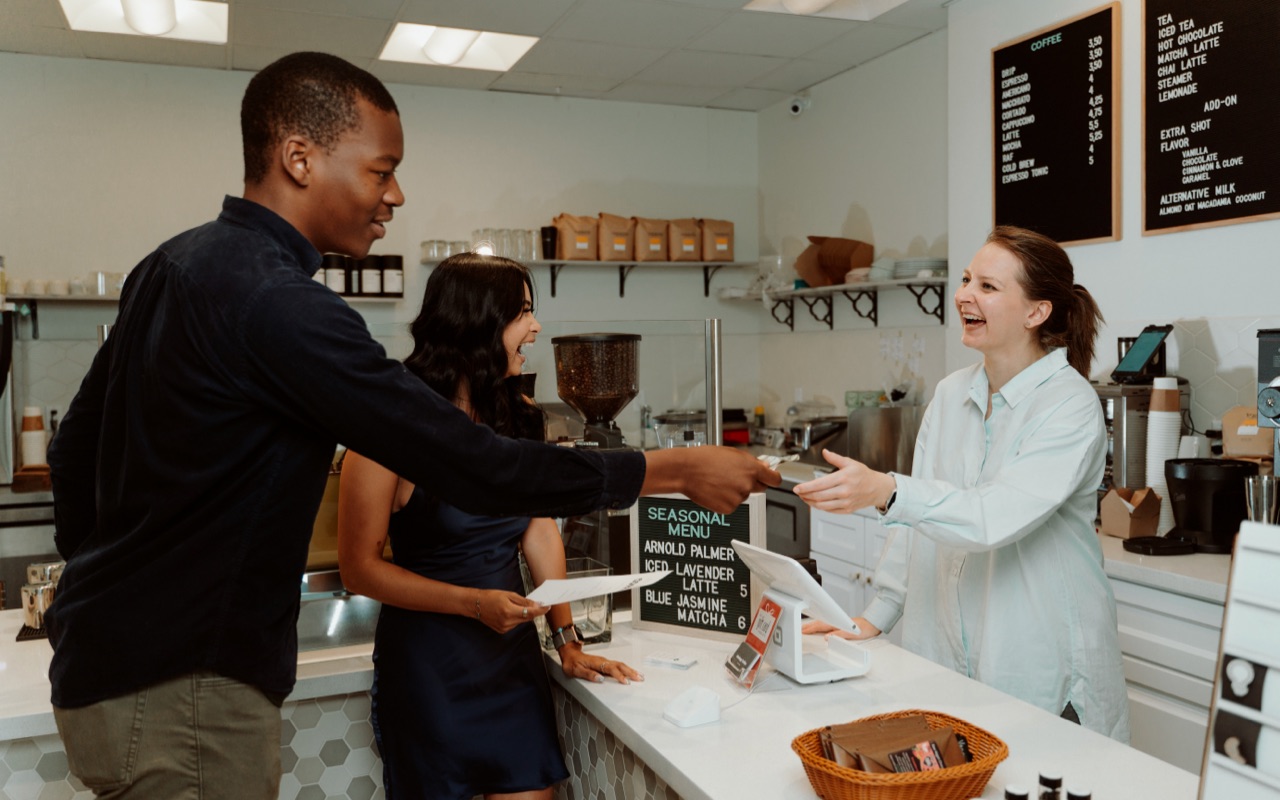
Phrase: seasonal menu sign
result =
(1056, 126)
(709, 588)
(1211, 103)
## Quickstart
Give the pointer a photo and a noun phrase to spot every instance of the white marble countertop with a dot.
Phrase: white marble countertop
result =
(1200, 575)
(747, 753)
(24, 678)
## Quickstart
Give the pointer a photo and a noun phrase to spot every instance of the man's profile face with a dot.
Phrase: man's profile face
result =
(354, 184)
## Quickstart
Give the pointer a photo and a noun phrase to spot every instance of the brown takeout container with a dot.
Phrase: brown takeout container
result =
(1115, 519)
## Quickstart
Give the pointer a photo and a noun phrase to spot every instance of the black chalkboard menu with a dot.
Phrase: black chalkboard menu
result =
(709, 591)
(1211, 113)
(1056, 125)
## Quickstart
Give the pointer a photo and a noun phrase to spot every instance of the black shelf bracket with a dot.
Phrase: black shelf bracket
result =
(920, 290)
(790, 319)
(825, 302)
(873, 299)
(707, 271)
(623, 271)
(555, 274)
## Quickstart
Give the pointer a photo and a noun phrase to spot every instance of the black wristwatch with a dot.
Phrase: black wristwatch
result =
(564, 636)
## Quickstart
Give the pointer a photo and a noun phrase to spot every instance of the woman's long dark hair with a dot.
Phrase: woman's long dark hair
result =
(457, 339)
(1047, 274)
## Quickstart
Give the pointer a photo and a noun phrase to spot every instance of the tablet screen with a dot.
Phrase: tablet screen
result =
(1143, 349)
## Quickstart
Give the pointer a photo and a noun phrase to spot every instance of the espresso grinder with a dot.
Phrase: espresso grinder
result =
(596, 375)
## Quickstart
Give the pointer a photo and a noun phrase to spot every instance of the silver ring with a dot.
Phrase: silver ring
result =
(525, 613)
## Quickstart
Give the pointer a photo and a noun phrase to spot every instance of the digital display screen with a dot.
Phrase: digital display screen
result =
(1141, 351)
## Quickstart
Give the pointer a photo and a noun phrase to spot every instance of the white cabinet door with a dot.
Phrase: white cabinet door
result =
(844, 582)
(838, 535)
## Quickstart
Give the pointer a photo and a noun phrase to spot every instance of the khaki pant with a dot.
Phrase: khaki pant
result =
(197, 737)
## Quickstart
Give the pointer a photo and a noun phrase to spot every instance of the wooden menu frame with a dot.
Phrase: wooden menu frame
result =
(1060, 85)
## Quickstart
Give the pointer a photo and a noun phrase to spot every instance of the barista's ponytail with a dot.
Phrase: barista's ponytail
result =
(1047, 275)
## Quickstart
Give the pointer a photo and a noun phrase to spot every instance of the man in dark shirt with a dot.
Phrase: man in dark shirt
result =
(189, 468)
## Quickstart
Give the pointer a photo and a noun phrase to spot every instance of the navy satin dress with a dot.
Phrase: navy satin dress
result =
(458, 709)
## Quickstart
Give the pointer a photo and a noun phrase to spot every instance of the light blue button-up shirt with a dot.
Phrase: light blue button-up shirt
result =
(993, 535)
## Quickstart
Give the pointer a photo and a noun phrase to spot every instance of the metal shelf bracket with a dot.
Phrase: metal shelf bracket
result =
(825, 302)
(873, 299)
(934, 289)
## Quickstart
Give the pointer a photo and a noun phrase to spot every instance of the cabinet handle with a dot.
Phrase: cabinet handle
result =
(868, 580)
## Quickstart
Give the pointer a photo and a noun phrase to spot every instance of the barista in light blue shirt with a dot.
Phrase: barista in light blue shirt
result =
(992, 565)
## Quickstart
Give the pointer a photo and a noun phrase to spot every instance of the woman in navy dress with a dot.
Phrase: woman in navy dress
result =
(461, 699)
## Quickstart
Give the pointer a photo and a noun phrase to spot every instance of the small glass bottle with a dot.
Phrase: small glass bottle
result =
(1050, 786)
(393, 276)
(1079, 793)
(1016, 792)
(759, 416)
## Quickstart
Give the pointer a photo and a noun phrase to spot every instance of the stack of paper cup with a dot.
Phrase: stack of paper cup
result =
(1164, 434)
(33, 440)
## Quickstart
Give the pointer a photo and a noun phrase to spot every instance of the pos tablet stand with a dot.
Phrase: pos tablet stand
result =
(843, 659)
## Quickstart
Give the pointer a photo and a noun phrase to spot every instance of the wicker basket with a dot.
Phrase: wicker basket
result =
(834, 782)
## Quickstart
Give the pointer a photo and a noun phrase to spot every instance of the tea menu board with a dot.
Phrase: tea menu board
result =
(709, 591)
(1211, 101)
(1055, 95)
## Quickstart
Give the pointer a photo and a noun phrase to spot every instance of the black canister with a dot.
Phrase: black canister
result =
(1208, 497)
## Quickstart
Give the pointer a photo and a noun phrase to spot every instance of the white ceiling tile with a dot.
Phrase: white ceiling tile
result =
(637, 92)
(153, 50)
(636, 22)
(770, 34)
(251, 58)
(797, 75)
(36, 13)
(748, 99)
(39, 40)
(365, 9)
(528, 17)
(571, 85)
(724, 70)
(563, 57)
(929, 15)
(869, 40)
(428, 75)
(293, 31)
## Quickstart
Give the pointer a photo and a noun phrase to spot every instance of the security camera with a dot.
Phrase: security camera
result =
(798, 104)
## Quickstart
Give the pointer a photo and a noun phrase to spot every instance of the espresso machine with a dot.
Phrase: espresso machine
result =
(597, 375)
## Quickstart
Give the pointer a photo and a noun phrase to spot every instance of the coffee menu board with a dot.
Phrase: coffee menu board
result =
(1057, 135)
(1211, 113)
(709, 592)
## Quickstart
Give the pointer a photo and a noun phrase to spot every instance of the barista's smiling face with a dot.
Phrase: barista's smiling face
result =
(996, 315)
(520, 331)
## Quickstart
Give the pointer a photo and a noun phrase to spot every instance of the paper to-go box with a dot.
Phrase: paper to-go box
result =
(1129, 513)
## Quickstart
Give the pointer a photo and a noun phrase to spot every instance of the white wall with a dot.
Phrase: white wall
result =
(104, 160)
(1200, 277)
(868, 161)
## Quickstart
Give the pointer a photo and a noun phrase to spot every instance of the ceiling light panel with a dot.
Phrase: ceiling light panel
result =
(860, 10)
(490, 51)
(195, 20)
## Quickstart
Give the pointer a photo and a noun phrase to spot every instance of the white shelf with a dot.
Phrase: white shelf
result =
(864, 296)
(708, 268)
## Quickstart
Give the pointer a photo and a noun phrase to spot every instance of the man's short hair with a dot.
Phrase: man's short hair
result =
(313, 94)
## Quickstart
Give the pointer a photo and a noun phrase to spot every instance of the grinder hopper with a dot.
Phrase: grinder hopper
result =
(596, 374)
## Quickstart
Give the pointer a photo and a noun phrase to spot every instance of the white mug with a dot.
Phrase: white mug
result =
(59, 286)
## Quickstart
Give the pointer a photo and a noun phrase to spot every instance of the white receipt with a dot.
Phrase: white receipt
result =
(562, 591)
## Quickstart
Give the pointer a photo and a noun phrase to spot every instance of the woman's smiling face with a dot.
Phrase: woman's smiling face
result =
(520, 331)
(995, 312)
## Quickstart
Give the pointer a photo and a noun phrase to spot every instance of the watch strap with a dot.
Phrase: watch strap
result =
(565, 635)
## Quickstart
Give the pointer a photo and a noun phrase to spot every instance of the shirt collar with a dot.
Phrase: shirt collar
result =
(1022, 384)
(238, 211)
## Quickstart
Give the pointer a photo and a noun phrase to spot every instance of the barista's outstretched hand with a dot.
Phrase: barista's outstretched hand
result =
(718, 478)
(865, 629)
(852, 486)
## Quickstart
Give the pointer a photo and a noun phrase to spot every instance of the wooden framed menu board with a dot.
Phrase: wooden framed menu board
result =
(1211, 113)
(1056, 96)
(710, 592)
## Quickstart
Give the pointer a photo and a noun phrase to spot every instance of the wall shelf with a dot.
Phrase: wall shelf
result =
(864, 297)
(28, 305)
(709, 268)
